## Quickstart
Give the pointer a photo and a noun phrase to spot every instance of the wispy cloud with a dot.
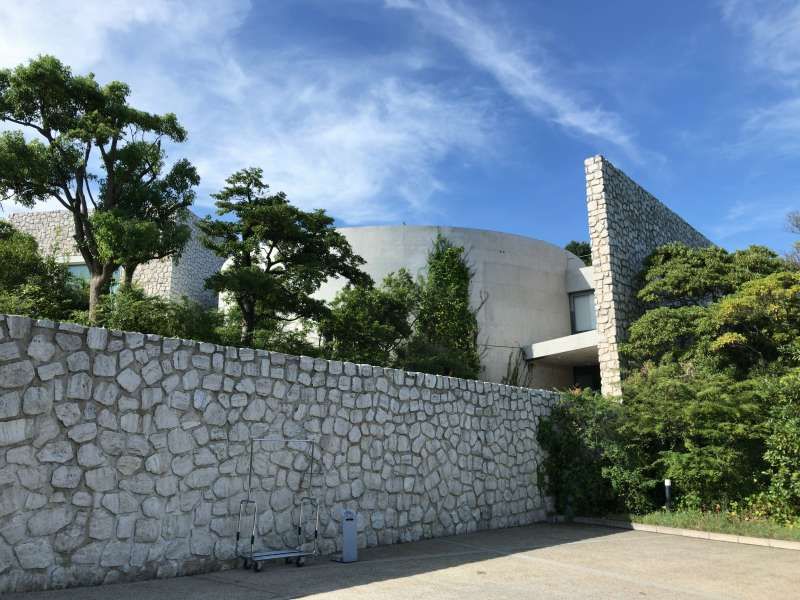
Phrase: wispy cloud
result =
(522, 73)
(771, 29)
(359, 138)
(743, 217)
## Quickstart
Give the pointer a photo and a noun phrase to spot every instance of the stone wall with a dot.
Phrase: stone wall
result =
(196, 264)
(167, 278)
(53, 231)
(626, 224)
(124, 455)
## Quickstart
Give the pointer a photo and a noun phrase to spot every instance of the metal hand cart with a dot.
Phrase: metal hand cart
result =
(303, 501)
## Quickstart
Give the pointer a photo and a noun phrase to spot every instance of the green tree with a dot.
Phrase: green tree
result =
(708, 399)
(150, 220)
(74, 120)
(278, 254)
(445, 335)
(582, 250)
(370, 324)
(794, 226)
(33, 285)
(678, 275)
(781, 499)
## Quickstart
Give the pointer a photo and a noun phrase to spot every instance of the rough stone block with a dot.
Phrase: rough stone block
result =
(83, 432)
(41, 348)
(129, 380)
(9, 351)
(102, 479)
(80, 386)
(97, 338)
(78, 361)
(18, 327)
(36, 554)
(105, 365)
(66, 477)
(10, 403)
(17, 374)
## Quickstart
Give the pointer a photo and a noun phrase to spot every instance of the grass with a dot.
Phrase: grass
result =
(717, 522)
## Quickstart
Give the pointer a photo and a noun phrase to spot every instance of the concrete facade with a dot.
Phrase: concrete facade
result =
(626, 223)
(168, 277)
(521, 285)
(125, 456)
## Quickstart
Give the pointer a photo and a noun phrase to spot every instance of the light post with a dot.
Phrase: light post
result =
(668, 493)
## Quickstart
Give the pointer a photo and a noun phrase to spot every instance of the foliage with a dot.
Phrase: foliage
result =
(677, 275)
(370, 324)
(759, 326)
(150, 219)
(704, 432)
(582, 250)
(278, 254)
(80, 121)
(710, 396)
(130, 309)
(275, 335)
(445, 335)
(519, 372)
(663, 333)
(573, 438)
(794, 226)
(34, 285)
(781, 500)
(734, 521)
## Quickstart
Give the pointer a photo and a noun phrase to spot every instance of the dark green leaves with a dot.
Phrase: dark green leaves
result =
(278, 254)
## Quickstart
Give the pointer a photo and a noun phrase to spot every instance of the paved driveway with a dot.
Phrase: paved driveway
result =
(540, 561)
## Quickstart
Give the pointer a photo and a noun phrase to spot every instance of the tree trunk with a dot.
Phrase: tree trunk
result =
(129, 270)
(98, 286)
(248, 323)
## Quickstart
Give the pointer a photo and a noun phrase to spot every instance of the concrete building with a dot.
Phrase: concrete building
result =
(536, 298)
(524, 288)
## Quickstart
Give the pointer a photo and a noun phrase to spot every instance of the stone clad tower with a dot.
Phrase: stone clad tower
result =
(626, 223)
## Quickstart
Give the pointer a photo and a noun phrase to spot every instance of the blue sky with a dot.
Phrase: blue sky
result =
(474, 114)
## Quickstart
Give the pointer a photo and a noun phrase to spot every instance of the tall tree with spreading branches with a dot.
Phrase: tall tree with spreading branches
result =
(278, 255)
(91, 151)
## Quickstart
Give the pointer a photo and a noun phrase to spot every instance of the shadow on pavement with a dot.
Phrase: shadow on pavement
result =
(322, 575)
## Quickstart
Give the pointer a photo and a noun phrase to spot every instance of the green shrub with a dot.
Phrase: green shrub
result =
(130, 309)
(33, 285)
(781, 500)
(574, 438)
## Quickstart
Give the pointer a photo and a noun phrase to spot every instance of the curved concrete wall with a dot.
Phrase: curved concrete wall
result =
(524, 278)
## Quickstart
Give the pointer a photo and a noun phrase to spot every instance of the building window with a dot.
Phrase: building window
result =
(79, 270)
(581, 310)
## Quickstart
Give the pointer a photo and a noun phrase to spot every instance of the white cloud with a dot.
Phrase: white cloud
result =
(359, 139)
(523, 74)
(743, 217)
(771, 29)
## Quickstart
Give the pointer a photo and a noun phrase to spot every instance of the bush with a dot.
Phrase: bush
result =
(781, 500)
(706, 433)
(33, 285)
(574, 438)
(130, 309)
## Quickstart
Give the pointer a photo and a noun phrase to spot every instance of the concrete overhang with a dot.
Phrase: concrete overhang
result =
(580, 280)
(579, 349)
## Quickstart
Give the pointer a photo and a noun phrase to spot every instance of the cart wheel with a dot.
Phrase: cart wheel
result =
(258, 566)
(301, 561)
(246, 564)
